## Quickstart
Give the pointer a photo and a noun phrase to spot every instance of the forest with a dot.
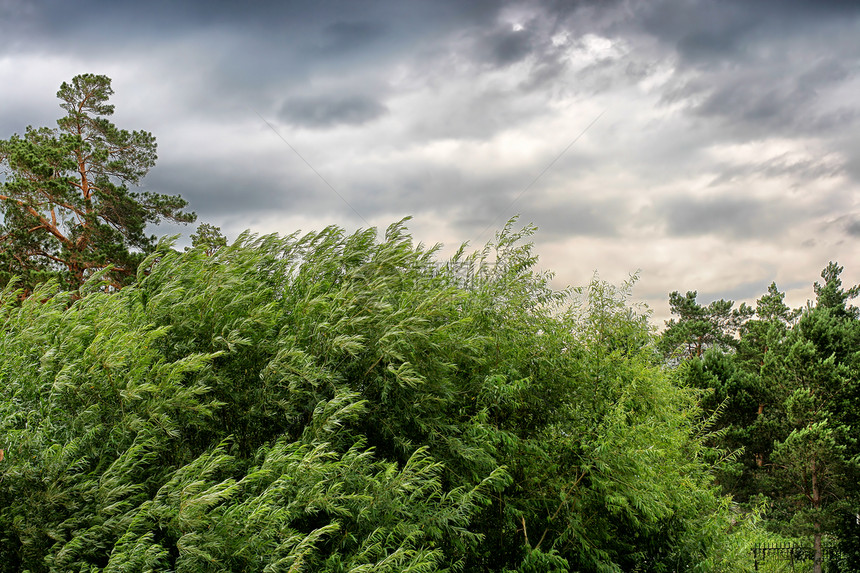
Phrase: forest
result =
(356, 402)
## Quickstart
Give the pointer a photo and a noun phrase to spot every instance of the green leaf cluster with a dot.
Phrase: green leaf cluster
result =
(349, 403)
(786, 395)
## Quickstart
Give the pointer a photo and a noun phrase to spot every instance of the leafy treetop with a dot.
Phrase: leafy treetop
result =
(700, 327)
(67, 207)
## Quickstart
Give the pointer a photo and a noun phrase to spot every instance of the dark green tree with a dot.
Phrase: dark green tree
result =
(748, 393)
(700, 327)
(786, 397)
(209, 238)
(68, 209)
(815, 468)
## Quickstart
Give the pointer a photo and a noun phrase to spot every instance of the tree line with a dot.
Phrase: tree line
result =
(784, 385)
(354, 403)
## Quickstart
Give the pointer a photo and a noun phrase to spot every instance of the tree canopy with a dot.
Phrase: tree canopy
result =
(68, 209)
(786, 393)
(336, 402)
(699, 327)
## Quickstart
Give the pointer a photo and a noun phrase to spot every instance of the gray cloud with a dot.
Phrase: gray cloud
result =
(446, 109)
(757, 100)
(216, 191)
(754, 68)
(732, 218)
(849, 144)
(747, 290)
(852, 227)
(751, 290)
(544, 73)
(503, 45)
(712, 35)
(705, 33)
(341, 37)
(330, 110)
(783, 166)
(491, 202)
(848, 224)
(579, 218)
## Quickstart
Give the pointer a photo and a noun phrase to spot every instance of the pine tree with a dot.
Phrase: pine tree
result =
(787, 397)
(68, 210)
(816, 465)
(699, 327)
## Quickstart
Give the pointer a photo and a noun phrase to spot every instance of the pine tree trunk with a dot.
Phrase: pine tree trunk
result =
(759, 457)
(816, 504)
(816, 567)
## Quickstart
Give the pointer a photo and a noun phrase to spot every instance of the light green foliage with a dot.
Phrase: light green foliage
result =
(619, 478)
(347, 403)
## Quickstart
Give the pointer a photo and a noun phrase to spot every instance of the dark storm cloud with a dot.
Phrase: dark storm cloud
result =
(713, 34)
(732, 218)
(334, 27)
(227, 52)
(331, 110)
(341, 37)
(215, 191)
(504, 45)
(702, 33)
(753, 68)
(285, 186)
(10, 125)
(777, 102)
(529, 41)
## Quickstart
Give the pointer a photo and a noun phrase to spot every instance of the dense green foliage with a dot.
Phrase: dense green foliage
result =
(67, 209)
(699, 328)
(787, 394)
(333, 402)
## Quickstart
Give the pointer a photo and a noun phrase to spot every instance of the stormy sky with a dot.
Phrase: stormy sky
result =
(713, 146)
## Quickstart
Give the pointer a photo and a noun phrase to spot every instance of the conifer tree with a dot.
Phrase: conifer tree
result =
(67, 206)
(786, 398)
(699, 327)
(208, 237)
(816, 464)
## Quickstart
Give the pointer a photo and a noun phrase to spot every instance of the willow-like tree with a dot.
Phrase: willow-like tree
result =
(66, 200)
(335, 403)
